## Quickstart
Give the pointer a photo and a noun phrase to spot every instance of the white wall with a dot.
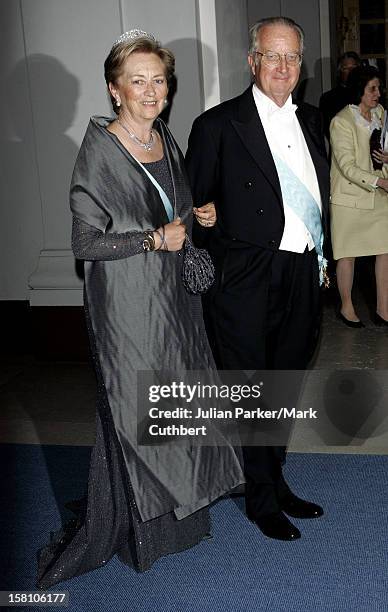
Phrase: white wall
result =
(20, 198)
(51, 62)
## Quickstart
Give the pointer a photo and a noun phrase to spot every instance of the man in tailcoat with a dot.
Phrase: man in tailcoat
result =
(261, 158)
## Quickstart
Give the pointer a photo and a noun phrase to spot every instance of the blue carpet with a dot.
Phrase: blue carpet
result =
(340, 564)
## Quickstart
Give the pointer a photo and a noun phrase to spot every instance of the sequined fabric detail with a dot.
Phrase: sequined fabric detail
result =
(161, 173)
(92, 244)
(108, 522)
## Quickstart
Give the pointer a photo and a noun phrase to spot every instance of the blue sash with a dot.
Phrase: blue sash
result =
(300, 200)
(165, 199)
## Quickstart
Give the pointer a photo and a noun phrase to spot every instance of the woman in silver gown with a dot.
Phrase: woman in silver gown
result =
(131, 209)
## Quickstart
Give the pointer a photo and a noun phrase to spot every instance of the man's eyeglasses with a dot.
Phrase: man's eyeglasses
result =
(272, 58)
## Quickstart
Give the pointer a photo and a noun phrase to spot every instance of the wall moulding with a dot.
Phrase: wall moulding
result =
(57, 281)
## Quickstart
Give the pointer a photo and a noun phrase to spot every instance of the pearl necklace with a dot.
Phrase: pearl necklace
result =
(148, 146)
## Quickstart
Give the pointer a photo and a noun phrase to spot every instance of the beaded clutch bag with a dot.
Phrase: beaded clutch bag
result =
(198, 271)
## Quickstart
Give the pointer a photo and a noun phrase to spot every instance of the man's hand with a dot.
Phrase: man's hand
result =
(206, 214)
(380, 156)
(382, 183)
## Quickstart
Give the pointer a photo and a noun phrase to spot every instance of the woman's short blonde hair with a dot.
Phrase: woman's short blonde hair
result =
(113, 65)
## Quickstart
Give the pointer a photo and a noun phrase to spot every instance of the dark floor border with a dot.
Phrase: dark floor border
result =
(55, 333)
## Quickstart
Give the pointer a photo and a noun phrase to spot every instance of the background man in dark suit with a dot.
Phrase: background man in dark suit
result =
(262, 160)
(334, 100)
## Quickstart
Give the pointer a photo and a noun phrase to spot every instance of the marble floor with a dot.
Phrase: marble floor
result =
(53, 403)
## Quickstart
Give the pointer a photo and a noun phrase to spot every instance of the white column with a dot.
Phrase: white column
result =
(233, 44)
(207, 34)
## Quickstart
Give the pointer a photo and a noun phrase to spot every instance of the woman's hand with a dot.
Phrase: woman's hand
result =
(382, 183)
(206, 214)
(380, 156)
(173, 234)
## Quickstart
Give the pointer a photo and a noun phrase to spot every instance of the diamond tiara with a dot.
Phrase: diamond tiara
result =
(132, 35)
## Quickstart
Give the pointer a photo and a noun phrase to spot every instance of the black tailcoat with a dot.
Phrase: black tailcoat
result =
(229, 162)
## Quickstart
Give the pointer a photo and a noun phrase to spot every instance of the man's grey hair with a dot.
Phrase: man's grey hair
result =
(269, 21)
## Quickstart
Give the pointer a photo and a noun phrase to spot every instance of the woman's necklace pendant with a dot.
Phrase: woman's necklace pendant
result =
(147, 146)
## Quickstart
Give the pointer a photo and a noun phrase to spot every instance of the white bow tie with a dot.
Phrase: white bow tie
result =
(282, 111)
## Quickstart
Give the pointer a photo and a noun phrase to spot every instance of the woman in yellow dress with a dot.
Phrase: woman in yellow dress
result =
(359, 198)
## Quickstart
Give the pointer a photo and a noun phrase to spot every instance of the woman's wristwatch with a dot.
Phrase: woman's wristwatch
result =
(149, 241)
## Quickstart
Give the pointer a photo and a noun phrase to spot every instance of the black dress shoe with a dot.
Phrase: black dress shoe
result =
(276, 526)
(379, 320)
(299, 508)
(354, 324)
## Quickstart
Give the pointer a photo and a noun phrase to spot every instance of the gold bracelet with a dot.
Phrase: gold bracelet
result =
(148, 242)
